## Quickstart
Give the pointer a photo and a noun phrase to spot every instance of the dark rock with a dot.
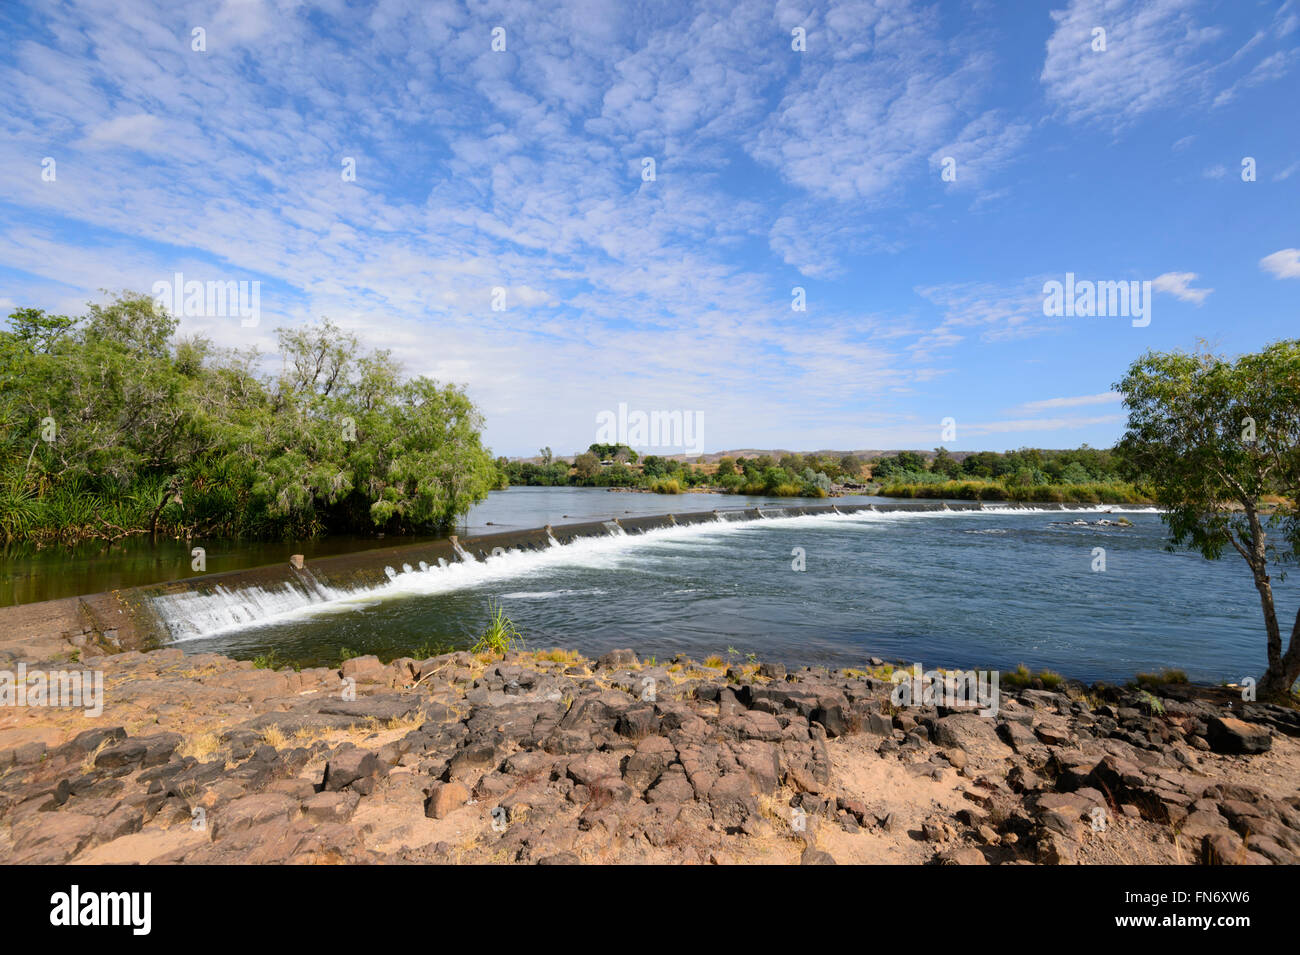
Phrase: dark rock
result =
(813, 856)
(1229, 735)
(617, 658)
(352, 767)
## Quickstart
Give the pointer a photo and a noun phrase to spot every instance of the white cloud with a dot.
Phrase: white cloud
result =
(1283, 264)
(1178, 284)
(138, 131)
(1151, 58)
(1105, 398)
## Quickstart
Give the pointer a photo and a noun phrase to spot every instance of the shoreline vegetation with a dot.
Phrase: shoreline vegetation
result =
(112, 426)
(1082, 476)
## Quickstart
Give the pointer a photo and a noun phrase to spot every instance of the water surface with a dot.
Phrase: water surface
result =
(971, 589)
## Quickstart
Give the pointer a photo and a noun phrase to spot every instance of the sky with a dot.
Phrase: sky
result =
(570, 207)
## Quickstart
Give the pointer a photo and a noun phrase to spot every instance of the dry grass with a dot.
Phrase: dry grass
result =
(202, 747)
(557, 655)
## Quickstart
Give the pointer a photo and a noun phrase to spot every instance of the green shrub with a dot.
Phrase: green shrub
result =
(501, 635)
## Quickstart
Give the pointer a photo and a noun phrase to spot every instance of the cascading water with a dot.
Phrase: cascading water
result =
(193, 614)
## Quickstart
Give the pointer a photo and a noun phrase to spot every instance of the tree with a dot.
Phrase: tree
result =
(1219, 441)
(586, 466)
(546, 456)
(109, 426)
(944, 463)
(726, 467)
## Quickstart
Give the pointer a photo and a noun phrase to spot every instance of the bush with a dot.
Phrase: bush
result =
(1096, 493)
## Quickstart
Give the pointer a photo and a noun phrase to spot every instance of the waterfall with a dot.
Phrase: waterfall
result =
(193, 613)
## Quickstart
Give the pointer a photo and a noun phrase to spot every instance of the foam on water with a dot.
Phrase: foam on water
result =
(192, 615)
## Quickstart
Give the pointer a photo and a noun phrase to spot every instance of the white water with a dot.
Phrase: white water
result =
(191, 615)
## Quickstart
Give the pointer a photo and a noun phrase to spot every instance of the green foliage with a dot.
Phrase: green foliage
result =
(1022, 677)
(270, 660)
(1153, 704)
(501, 635)
(1019, 678)
(996, 491)
(109, 426)
(1161, 679)
(1219, 439)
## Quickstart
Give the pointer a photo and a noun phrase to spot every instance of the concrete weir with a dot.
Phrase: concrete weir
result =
(150, 616)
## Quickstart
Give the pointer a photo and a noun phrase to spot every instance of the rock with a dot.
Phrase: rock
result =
(617, 658)
(90, 740)
(354, 767)
(969, 855)
(255, 810)
(472, 761)
(121, 755)
(1222, 848)
(773, 671)
(732, 801)
(813, 856)
(1055, 850)
(833, 717)
(365, 669)
(589, 767)
(879, 725)
(51, 838)
(327, 807)
(977, 735)
(1229, 735)
(444, 799)
(560, 858)
(1018, 736)
(636, 722)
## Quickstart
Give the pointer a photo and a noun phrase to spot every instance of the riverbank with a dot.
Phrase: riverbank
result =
(1125, 494)
(554, 758)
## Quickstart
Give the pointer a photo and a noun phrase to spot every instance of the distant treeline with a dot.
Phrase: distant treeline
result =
(1085, 474)
(1027, 467)
(111, 426)
(791, 475)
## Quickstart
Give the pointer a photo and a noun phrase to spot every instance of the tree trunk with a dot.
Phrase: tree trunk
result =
(1276, 685)
(1282, 670)
(168, 491)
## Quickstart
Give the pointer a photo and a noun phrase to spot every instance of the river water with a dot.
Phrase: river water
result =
(986, 589)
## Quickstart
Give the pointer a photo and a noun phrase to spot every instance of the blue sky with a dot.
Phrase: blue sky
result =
(522, 170)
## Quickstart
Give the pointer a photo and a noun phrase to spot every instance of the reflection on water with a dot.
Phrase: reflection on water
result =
(28, 575)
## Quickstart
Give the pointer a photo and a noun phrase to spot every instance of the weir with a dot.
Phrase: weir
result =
(156, 614)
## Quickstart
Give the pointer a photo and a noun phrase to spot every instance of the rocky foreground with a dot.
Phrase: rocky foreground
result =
(552, 758)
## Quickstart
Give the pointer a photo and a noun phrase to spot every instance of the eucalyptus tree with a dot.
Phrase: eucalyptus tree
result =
(1219, 441)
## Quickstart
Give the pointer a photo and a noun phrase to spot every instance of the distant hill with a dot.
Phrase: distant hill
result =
(866, 454)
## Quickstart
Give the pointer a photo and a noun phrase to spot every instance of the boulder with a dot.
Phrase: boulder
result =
(353, 767)
(1229, 735)
(444, 799)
